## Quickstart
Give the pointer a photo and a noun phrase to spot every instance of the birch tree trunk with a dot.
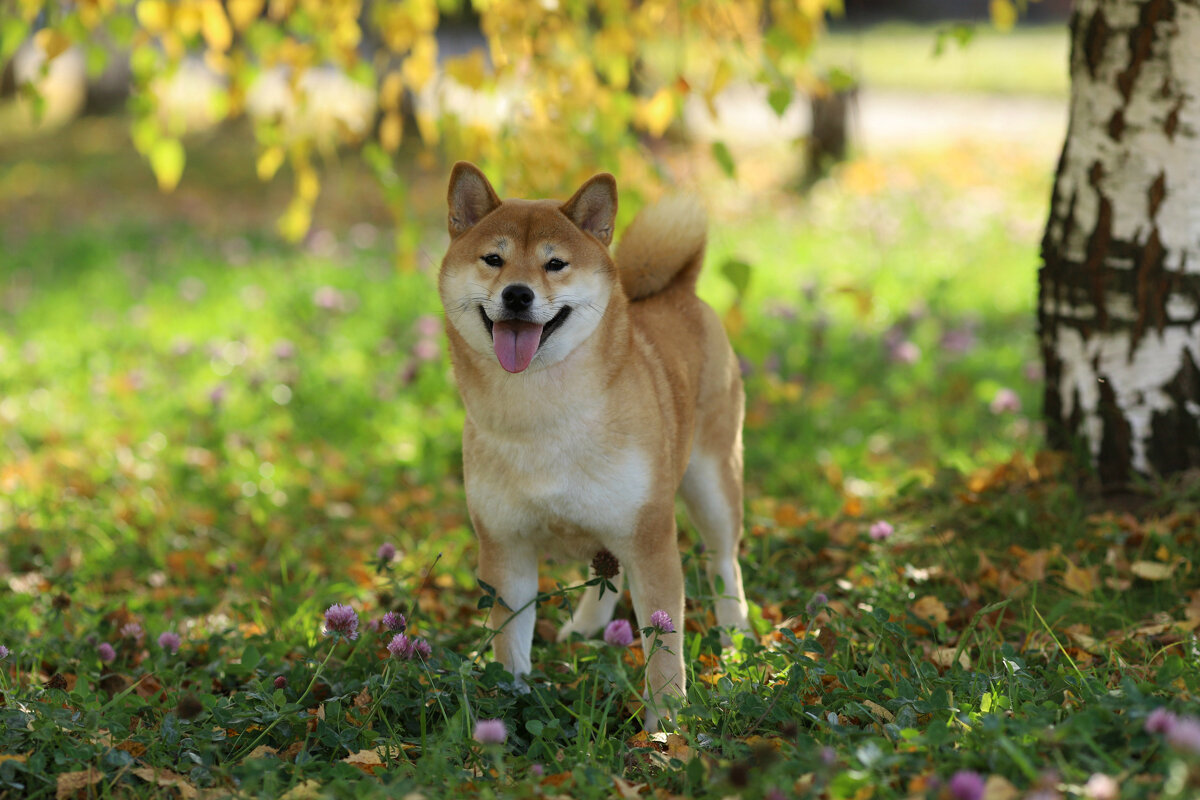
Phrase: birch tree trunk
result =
(1119, 289)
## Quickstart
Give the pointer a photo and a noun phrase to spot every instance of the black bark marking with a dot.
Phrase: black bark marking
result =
(1141, 41)
(1098, 244)
(1116, 437)
(1174, 441)
(1158, 190)
(1095, 39)
(1172, 122)
(1116, 125)
(1153, 288)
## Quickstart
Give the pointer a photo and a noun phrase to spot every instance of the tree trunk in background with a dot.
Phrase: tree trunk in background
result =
(1119, 291)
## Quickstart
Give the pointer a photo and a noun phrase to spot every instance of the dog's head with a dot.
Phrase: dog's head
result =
(526, 281)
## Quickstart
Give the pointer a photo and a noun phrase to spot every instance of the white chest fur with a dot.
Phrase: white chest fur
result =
(563, 491)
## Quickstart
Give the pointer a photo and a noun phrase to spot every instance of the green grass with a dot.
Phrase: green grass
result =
(208, 432)
(1026, 61)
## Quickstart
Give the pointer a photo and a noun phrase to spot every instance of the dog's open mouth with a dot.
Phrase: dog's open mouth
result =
(516, 341)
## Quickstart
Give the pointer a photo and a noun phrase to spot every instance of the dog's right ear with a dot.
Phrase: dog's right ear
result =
(471, 198)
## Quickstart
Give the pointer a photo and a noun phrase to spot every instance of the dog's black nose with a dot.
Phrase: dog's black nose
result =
(517, 297)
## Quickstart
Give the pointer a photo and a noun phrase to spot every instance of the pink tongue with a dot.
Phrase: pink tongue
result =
(516, 343)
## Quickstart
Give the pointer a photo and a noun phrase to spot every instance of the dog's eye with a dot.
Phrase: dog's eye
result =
(555, 264)
(493, 260)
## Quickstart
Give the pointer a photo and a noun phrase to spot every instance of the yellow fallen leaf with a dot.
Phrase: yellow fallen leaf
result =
(309, 790)
(244, 12)
(627, 790)
(215, 26)
(1081, 580)
(929, 607)
(1153, 570)
(998, 788)
(655, 114)
(165, 777)
(469, 70)
(881, 713)
(68, 784)
(944, 657)
(1004, 14)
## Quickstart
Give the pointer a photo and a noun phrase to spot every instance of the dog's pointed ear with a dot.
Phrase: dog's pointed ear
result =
(593, 209)
(471, 198)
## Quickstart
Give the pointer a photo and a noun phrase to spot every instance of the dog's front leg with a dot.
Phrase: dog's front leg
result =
(656, 583)
(512, 571)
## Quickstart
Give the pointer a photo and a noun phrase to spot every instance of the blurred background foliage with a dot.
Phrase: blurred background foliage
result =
(179, 358)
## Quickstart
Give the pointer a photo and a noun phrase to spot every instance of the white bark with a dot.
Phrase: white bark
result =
(1125, 224)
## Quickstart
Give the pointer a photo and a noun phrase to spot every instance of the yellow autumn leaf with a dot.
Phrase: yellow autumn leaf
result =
(164, 778)
(391, 91)
(294, 223)
(167, 159)
(929, 607)
(215, 25)
(51, 42)
(269, 161)
(421, 63)
(1152, 570)
(244, 12)
(656, 114)
(1081, 580)
(1004, 14)
(427, 126)
(187, 18)
(153, 15)
(391, 131)
(469, 70)
(308, 185)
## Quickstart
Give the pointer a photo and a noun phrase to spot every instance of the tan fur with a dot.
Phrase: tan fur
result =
(623, 405)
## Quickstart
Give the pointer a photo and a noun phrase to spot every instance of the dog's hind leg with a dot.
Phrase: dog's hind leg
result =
(712, 493)
(594, 610)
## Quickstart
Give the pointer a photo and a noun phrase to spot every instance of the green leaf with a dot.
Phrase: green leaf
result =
(737, 272)
(12, 32)
(723, 157)
(251, 658)
(779, 98)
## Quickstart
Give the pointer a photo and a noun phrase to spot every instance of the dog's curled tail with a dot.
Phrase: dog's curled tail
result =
(663, 246)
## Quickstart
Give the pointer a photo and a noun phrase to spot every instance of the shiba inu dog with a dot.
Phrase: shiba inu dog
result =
(594, 391)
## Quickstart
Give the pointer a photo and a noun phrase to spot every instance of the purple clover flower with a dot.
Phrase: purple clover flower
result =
(106, 653)
(1184, 735)
(131, 630)
(1006, 401)
(280, 681)
(170, 641)
(618, 633)
(386, 552)
(818, 601)
(662, 620)
(3, 652)
(1160, 720)
(490, 731)
(394, 621)
(966, 785)
(880, 530)
(407, 648)
(341, 620)
(1101, 787)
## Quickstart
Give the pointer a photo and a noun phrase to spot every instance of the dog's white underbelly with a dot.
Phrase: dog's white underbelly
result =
(564, 501)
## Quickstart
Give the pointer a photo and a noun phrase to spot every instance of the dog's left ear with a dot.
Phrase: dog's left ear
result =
(593, 209)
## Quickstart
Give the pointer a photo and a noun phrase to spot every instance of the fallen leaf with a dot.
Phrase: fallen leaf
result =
(1153, 570)
(68, 784)
(929, 607)
(165, 777)
(1081, 580)
(627, 790)
(944, 657)
(308, 790)
(366, 760)
(998, 788)
(881, 713)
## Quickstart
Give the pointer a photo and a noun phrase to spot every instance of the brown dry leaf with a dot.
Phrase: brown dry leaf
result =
(135, 749)
(165, 777)
(929, 607)
(263, 751)
(362, 699)
(557, 779)
(1081, 580)
(69, 784)
(627, 790)
(308, 790)
(1081, 635)
(944, 657)
(881, 713)
(998, 788)
(19, 757)
(366, 760)
(1032, 567)
(1153, 570)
